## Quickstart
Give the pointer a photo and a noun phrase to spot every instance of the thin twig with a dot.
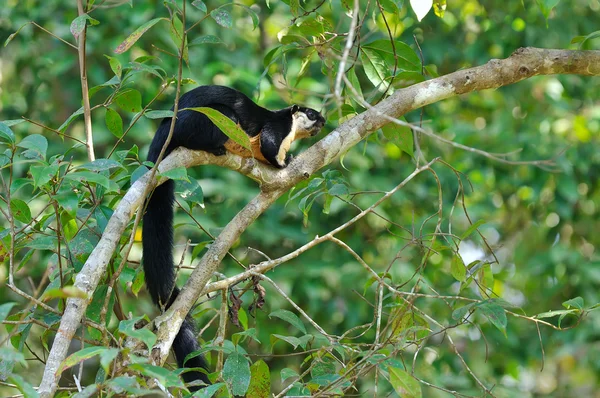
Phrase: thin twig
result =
(87, 113)
(347, 48)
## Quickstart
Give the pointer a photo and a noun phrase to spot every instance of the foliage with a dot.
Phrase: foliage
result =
(479, 275)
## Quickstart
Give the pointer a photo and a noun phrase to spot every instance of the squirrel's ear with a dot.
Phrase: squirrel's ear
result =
(295, 108)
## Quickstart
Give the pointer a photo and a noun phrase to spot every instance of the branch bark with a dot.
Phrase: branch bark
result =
(87, 113)
(522, 64)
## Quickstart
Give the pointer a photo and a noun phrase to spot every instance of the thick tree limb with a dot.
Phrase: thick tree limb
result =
(524, 63)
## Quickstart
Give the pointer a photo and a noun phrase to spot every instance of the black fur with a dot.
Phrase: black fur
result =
(194, 130)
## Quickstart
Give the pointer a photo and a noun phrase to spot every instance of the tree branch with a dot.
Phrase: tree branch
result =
(524, 63)
(87, 113)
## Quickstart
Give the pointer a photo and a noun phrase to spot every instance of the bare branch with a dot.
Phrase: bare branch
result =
(87, 113)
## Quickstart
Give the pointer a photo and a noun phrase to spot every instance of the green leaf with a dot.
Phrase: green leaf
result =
(112, 82)
(236, 338)
(407, 58)
(459, 313)
(401, 136)
(13, 35)
(551, 314)
(208, 392)
(115, 66)
(326, 380)
(260, 380)
(36, 144)
(389, 6)
(64, 292)
(236, 373)
(243, 318)
(286, 373)
(43, 174)
(222, 17)
(43, 243)
(190, 191)
(101, 165)
(20, 210)
(130, 41)
(128, 384)
(546, 7)
(576, 39)
(78, 24)
(338, 189)
(5, 310)
(495, 314)
(136, 67)
(178, 173)
(24, 387)
(6, 133)
(322, 368)
(486, 279)
(295, 7)
(405, 385)
(138, 281)
(471, 229)
(70, 119)
(199, 4)
(158, 114)
(130, 101)
(69, 225)
(164, 376)
(375, 68)
(138, 172)
(87, 392)
(206, 39)
(89, 176)
(127, 327)
(199, 248)
(79, 356)
(12, 122)
(353, 79)
(289, 317)
(10, 354)
(226, 125)
(576, 302)
(94, 309)
(251, 13)
(114, 123)
(457, 268)
(177, 35)
(407, 78)
(19, 183)
(294, 341)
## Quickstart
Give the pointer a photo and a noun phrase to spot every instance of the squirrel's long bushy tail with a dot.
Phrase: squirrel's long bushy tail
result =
(157, 242)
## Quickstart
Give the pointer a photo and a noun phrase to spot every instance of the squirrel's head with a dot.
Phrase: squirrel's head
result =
(306, 122)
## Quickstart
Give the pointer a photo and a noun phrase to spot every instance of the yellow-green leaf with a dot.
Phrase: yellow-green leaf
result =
(405, 385)
(226, 125)
(260, 380)
(130, 41)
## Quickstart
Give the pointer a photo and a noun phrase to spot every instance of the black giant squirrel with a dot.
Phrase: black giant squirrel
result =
(271, 134)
